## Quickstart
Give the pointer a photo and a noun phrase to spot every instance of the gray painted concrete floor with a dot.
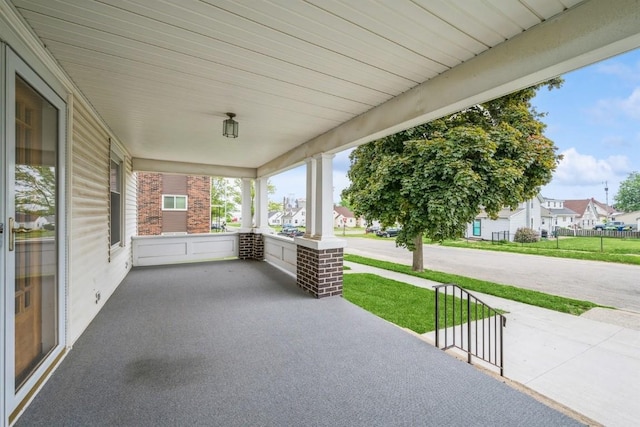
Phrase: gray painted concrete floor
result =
(236, 343)
(590, 366)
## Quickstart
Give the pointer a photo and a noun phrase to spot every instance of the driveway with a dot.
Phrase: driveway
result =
(615, 285)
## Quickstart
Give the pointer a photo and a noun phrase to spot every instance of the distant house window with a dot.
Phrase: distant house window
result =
(477, 229)
(174, 203)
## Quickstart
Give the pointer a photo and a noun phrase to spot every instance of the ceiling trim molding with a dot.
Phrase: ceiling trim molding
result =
(587, 33)
(165, 166)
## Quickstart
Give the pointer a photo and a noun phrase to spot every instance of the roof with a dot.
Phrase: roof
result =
(304, 77)
(344, 211)
(578, 206)
(563, 211)
(604, 206)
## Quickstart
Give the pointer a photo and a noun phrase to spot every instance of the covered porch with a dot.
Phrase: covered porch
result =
(238, 343)
(94, 92)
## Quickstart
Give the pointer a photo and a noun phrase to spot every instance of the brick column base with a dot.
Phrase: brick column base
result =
(251, 246)
(319, 271)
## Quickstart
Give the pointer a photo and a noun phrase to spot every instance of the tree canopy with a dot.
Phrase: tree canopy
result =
(435, 178)
(224, 193)
(628, 197)
(35, 189)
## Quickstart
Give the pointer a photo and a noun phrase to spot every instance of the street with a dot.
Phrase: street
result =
(609, 284)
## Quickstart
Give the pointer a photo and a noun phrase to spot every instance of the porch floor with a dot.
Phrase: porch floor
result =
(236, 343)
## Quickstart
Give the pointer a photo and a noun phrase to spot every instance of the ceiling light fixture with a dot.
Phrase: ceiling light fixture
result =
(230, 127)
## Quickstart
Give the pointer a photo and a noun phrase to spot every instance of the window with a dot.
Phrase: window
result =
(174, 203)
(115, 188)
(477, 229)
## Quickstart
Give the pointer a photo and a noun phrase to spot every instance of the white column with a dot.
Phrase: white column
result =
(310, 219)
(246, 206)
(324, 197)
(262, 206)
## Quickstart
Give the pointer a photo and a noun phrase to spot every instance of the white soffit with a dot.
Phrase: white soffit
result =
(302, 76)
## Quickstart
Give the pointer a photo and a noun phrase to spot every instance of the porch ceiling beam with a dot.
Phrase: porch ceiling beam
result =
(590, 32)
(164, 166)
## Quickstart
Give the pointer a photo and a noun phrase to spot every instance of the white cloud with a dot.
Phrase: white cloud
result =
(620, 70)
(584, 169)
(608, 110)
(631, 105)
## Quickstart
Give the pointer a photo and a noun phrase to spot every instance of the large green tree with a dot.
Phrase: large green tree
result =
(433, 179)
(628, 197)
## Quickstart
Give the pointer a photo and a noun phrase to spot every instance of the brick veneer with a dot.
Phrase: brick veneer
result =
(199, 212)
(149, 212)
(319, 271)
(150, 190)
(251, 246)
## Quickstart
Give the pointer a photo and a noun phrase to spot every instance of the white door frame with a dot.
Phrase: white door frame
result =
(11, 66)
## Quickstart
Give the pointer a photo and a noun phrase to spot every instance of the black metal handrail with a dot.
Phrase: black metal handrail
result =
(478, 331)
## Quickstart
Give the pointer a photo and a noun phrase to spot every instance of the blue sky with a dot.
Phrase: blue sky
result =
(594, 120)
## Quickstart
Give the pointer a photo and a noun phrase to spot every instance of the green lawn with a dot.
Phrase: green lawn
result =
(405, 305)
(539, 299)
(608, 249)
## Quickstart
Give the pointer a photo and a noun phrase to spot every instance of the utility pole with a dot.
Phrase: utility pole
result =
(606, 193)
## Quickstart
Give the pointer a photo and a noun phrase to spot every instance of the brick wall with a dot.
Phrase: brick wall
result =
(199, 212)
(149, 199)
(319, 272)
(251, 246)
(150, 214)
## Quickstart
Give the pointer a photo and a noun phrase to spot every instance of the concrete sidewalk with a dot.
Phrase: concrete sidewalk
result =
(587, 365)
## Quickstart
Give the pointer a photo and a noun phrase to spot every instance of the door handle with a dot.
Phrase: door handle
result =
(12, 235)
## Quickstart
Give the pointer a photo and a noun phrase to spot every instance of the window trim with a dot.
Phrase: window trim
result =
(174, 209)
(117, 156)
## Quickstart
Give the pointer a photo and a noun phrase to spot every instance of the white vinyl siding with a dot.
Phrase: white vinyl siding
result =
(94, 267)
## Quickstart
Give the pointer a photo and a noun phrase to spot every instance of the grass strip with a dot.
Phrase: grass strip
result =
(526, 296)
(400, 303)
(556, 253)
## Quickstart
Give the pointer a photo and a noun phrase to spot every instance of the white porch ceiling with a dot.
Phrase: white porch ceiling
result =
(308, 76)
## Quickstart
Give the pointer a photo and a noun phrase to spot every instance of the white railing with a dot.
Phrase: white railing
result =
(281, 252)
(159, 250)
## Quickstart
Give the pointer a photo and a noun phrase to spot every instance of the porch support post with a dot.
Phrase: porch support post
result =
(324, 197)
(251, 243)
(319, 253)
(310, 219)
(247, 221)
(261, 207)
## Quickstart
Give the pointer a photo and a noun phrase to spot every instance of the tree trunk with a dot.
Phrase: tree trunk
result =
(418, 259)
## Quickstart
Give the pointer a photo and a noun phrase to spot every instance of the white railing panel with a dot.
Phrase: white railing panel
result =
(159, 250)
(281, 252)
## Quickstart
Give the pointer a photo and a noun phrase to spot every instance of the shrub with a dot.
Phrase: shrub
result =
(525, 235)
